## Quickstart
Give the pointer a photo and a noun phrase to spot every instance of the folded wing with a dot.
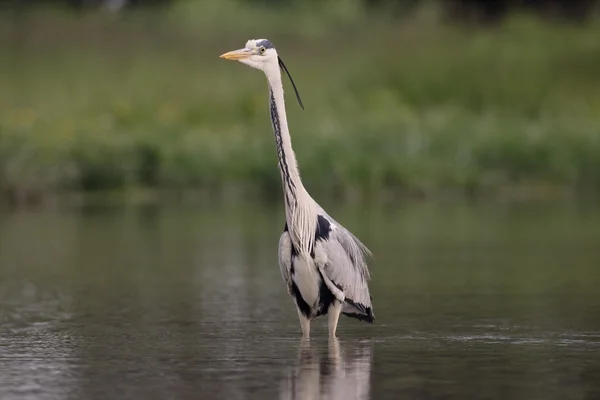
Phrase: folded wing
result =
(341, 257)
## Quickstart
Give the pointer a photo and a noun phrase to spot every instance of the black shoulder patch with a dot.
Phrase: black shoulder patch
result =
(323, 228)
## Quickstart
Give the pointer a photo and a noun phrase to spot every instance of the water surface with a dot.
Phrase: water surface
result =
(472, 301)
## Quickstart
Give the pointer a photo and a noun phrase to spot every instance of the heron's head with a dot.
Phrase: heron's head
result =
(261, 54)
(258, 53)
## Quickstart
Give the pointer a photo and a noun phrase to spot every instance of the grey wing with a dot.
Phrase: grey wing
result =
(341, 257)
(285, 259)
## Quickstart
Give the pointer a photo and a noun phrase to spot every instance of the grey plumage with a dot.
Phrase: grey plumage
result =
(347, 267)
(341, 260)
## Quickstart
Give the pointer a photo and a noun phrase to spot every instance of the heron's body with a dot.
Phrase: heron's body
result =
(322, 264)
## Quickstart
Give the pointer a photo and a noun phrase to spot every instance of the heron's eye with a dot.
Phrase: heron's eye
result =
(262, 50)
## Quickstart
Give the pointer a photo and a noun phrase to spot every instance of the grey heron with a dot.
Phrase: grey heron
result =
(322, 263)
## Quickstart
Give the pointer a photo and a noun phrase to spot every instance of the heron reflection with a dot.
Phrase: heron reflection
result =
(338, 371)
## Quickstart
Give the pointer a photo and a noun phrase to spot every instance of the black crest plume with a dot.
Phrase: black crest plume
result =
(282, 65)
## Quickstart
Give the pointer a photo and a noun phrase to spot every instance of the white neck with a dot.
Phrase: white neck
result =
(288, 166)
(300, 208)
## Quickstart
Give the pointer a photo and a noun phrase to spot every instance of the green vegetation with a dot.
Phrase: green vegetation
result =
(103, 102)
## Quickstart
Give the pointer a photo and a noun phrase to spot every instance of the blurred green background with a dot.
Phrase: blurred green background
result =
(405, 98)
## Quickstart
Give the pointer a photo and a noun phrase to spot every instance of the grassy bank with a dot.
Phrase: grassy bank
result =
(101, 102)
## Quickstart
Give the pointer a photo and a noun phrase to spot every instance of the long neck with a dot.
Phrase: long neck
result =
(290, 175)
(300, 209)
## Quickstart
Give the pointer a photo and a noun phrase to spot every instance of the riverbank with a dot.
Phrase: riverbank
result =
(99, 103)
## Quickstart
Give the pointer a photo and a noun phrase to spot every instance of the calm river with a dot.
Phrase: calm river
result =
(492, 301)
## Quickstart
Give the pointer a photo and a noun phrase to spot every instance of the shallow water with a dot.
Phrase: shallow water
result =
(472, 301)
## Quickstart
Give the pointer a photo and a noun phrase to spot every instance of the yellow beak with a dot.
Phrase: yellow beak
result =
(236, 54)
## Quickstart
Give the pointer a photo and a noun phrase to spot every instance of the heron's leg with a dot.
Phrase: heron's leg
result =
(334, 314)
(304, 324)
